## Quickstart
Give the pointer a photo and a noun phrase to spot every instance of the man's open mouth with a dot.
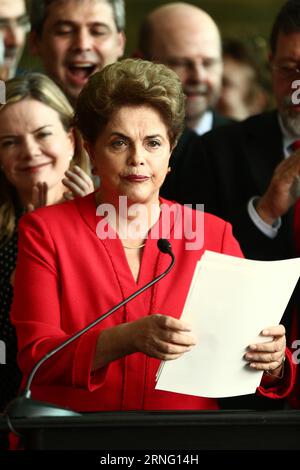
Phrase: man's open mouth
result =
(81, 71)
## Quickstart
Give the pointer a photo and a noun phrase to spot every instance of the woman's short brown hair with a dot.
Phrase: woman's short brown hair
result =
(130, 82)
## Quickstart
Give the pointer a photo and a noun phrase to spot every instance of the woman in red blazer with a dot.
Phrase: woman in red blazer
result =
(80, 258)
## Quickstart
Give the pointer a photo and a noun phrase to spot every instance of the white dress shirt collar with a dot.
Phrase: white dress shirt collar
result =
(205, 124)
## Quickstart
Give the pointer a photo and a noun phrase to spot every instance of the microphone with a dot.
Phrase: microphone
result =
(165, 246)
(23, 406)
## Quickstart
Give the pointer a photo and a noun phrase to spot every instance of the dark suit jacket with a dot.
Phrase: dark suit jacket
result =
(186, 150)
(240, 160)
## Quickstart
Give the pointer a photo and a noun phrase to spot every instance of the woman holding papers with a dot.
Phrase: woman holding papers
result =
(79, 259)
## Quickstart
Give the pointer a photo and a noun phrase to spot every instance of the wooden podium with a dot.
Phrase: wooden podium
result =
(205, 430)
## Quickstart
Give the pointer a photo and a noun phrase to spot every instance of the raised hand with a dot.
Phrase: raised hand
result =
(281, 193)
(39, 196)
(78, 182)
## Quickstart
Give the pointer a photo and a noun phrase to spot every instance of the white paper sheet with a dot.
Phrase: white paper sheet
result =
(231, 300)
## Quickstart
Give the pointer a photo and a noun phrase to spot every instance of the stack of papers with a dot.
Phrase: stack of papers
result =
(230, 301)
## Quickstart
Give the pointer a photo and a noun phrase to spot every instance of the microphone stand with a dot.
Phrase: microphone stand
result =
(23, 406)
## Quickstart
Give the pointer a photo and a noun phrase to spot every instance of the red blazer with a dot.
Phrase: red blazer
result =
(66, 277)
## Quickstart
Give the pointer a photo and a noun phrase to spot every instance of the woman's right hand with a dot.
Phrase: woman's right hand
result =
(161, 336)
(158, 336)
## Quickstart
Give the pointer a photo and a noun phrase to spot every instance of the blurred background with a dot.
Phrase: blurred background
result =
(244, 19)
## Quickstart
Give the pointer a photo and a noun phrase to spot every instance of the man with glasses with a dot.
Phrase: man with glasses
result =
(254, 163)
(14, 25)
(186, 39)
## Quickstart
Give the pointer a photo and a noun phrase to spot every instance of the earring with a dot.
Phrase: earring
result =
(169, 169)
(71, 157)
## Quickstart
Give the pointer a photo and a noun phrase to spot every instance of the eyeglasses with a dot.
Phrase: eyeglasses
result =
(22, 22)
(287, 71)
(189, 64)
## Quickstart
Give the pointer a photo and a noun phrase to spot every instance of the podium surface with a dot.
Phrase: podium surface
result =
(182, 430)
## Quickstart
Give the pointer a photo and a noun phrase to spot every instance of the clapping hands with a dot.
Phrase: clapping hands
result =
(78, 182)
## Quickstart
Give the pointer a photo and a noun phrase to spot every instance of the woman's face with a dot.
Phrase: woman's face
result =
(34, 147)
(131, 155)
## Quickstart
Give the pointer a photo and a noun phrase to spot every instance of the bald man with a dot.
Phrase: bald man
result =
(185, 38)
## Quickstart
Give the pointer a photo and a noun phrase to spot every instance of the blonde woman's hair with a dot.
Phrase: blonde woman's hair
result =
(130, 82)
(38, 87)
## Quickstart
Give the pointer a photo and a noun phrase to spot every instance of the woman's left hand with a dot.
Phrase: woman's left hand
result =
(268, 356)
(79, 183)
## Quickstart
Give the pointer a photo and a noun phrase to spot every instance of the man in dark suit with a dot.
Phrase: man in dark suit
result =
(240, 177)
(248, 172)
(229, 166)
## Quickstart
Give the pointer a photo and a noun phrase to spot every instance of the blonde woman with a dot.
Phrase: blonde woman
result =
(42, 162)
